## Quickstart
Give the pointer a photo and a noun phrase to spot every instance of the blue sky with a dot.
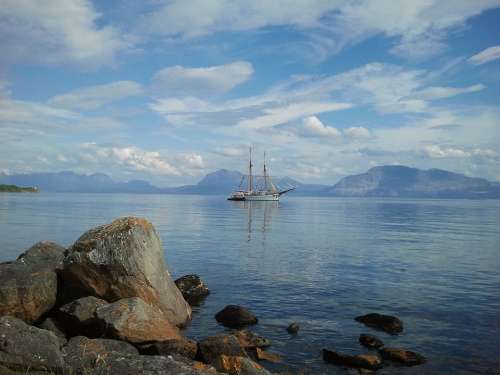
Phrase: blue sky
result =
(168, 91)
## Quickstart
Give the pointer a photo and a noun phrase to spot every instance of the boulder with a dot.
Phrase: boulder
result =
(267, 356)
(365, 361)
(183, 347)
(28, 286)
(27, 348)
(192, 288)
(293, 328)
(234, 316)
(251, 340)
(370, 341)
(82, 353)
(239, 366)
(213, 347)
(403, 356)
(125, 259)
(133, 320)
(78, 317)
(113, 357)
(52, 325)
(387, 323)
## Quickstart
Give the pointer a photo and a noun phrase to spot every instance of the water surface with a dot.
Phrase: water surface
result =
(318, 261)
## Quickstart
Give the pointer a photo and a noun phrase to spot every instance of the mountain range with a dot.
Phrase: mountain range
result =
(383, 181)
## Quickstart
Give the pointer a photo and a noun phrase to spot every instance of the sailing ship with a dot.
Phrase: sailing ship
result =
(267, 192)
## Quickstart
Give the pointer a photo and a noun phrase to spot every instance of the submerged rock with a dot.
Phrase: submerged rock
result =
(293, 328)
(183, 347)
(133, 320)
(365, 361)
(403, 356)
(78, 317)
(125, 259)
(27, 348)
(387, 323)
(28, 286)
(234, 316)
(214, 346)
(370, 341)
(192, 288)
(251, 340)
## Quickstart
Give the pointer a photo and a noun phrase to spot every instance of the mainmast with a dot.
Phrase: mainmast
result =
(250, 182)
(265, 173)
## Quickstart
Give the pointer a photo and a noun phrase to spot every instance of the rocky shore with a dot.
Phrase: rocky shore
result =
(108, 305)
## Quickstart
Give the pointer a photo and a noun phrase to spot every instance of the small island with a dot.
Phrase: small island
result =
(17, 189)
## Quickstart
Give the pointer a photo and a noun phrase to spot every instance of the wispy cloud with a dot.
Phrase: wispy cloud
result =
(485, 56)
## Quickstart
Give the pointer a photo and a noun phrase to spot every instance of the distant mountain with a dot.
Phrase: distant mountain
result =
(384, 181)
(63, 182)
(401, 181)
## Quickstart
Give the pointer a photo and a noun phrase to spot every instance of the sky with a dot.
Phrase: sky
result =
(168, 91)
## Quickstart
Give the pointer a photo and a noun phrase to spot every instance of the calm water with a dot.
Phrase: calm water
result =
(318, 261)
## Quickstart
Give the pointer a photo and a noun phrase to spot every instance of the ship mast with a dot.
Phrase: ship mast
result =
(250, 182)
(265, 173)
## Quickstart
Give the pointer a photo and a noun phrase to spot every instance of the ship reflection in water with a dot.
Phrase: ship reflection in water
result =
(259, 216)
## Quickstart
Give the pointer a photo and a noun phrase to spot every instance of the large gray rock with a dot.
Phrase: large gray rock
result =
(78, 317)
(28, 286)
(125, 259)
(133, 320)
(110, 357)
(27, 348)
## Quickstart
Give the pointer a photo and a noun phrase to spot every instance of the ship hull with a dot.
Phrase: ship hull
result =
(264, 197)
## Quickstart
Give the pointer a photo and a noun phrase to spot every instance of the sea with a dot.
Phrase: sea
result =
(319, 262)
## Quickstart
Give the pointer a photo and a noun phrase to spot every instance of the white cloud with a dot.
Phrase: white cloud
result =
(281, 115)
(200, 17)
(436, 92)
(316, 128)
(130, 157)
(420, 27)
(181, 81)
(485, 152)
(230, 151)
(435, 151)
(485, 56)
(54, 32)
(95, 96)
(192, 160)
(357, 132)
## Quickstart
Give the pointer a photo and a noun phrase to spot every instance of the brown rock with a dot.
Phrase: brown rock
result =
(133, 320)
(366, 361)
(387, 323)
(193, 289)
(28, 286)
(251, 340)
(266, 356)
(370, 341)
(212, 347)
(27, 348)
(239, 366)
(235, 316)
(403, 356)
(183, 347)
(125, 259)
